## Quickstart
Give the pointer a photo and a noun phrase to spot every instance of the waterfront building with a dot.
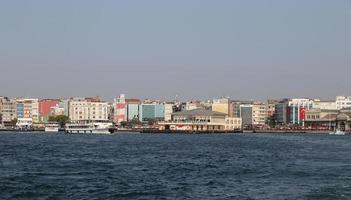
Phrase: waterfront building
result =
(64, 105)
(168, 111)
(133, 109)
(46, 107)
(234, 107)
(120, 109)
(19, 108)
(258, 114)
(246, 115)
(8, 110)
(160, 111)
(154, 111)
(324, 105)
(221, 105)
(55, 111)
(31, 109)
(329, 119)
(343, 102)
(270, 108)
(87, 110)
(298, 108)
(27, 108)
(201, 120)
(253, 115)
(282, 112)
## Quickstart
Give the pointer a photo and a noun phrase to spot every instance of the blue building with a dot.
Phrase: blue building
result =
(152, 111)
(160, 111)
(20, 110)
(132, 111)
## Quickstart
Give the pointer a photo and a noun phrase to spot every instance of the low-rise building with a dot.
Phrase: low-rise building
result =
(343, 102)
(329, 119)
(201, 120)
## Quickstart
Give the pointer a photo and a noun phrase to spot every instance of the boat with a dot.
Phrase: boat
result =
(52, 127)
(93, 128)
(337, 132)
(24, 124)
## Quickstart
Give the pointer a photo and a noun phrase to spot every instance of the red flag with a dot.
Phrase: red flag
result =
(302, 113)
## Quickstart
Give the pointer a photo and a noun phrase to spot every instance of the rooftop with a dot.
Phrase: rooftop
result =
(200, 111)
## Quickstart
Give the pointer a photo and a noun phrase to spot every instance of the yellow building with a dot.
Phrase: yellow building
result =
(221, 105)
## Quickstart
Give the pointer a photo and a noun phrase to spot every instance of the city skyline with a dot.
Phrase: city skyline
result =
(193, 49)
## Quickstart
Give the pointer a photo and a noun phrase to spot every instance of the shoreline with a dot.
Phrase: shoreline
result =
(156, 131)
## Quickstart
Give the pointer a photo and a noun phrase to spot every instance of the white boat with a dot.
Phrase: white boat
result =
(52, 127)
(24, 124)
(95, 128)
(337, 132)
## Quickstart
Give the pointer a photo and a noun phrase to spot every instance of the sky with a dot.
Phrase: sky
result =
(159, 49)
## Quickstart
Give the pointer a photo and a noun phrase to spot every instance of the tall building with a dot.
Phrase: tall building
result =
(8, 110)
(282, 112)
(168, 111)
(246, 115)
(234, 107)
(85, 110)
(133, 109)
(270, 108)
(297, 110)
(258, 114)
(154, 111)
(120, 109)
(27, 108)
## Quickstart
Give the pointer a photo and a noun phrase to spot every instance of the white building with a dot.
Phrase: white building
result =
(120, 109)
(168, 111)
(324, 105)
(343, 102)
(82, 110)
(8, 109)
(259, 114)
(296, 106)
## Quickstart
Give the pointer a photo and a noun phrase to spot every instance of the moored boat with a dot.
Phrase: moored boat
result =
(52, 127)
(93, 128)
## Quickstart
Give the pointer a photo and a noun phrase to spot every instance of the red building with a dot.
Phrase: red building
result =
(45, 106)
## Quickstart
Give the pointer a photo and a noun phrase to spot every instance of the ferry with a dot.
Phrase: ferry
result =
(52, 127)
(94, 128)
(24, 124)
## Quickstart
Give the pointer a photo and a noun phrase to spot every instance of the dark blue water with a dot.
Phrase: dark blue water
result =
(145, 166)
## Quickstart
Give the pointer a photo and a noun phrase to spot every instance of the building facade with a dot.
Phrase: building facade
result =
(199, 120)
(8, 110)
(83, 110)
(120, 109)
(221, 105)
(45, 108)
(343, 102)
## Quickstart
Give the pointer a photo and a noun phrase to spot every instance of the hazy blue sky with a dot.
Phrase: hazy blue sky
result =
(191, 48)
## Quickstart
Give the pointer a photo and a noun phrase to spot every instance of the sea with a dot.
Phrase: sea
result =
(37, 165)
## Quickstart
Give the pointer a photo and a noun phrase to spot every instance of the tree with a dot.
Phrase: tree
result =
(14, 122)
(61, 119)
(123, 123)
